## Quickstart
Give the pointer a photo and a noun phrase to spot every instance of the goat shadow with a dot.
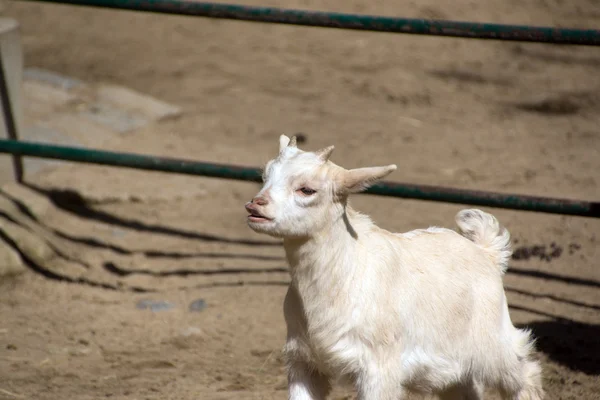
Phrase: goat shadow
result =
(575, 345)
(72, 202)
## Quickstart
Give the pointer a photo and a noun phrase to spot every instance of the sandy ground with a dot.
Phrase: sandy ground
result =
(484, 115)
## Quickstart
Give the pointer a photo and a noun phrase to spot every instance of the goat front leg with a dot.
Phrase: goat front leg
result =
(376, 386)
(305, 383)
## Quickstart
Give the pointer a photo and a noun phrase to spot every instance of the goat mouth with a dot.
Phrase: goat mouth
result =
(255, 216)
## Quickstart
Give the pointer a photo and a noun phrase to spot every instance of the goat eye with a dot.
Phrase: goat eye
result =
(307, 191)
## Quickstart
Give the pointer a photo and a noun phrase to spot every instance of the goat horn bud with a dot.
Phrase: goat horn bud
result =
(292, 142)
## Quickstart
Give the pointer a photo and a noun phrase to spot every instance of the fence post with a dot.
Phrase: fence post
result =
(11, 77)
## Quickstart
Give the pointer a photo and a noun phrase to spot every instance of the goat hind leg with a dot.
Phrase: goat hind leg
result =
(528, 387)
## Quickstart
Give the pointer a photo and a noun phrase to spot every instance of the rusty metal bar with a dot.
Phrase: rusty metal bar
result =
(471, 30)
(421, 192)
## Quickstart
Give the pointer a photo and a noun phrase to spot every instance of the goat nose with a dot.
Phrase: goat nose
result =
(261, 201)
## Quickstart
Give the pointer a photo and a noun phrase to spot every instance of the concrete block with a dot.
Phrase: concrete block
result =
(44, 134)
(42, 100)
(12, 64)
(133, 101)
(51, 79)
(114, 118)
(81, 128)
(29, 243)
(36, 203)
(47, 94)
(10, 261)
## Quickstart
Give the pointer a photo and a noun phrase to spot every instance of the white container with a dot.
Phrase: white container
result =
(12, 63)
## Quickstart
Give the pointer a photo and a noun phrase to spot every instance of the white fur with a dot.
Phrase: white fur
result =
(423, 311)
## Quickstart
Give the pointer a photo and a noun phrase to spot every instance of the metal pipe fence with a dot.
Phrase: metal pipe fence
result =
(328, 20)
(410, 191)
(472, 30)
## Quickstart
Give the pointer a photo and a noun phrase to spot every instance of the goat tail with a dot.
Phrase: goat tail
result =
(484, 230)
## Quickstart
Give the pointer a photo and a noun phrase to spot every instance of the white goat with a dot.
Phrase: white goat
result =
(422, 312)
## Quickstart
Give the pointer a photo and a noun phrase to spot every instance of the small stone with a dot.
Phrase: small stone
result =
(11, 347)
(154, 305)
(187, 338)
(79, 352)
(197, 305)
(191, 331)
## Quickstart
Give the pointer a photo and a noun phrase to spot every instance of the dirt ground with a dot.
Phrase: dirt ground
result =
(516, 118)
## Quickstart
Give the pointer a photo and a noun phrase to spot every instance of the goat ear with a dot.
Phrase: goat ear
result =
(283, 142)
(357, 180)
(325, 153)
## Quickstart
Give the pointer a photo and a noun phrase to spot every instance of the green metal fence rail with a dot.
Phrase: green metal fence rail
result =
(328, 20)
(421, 192)
(352, 21)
